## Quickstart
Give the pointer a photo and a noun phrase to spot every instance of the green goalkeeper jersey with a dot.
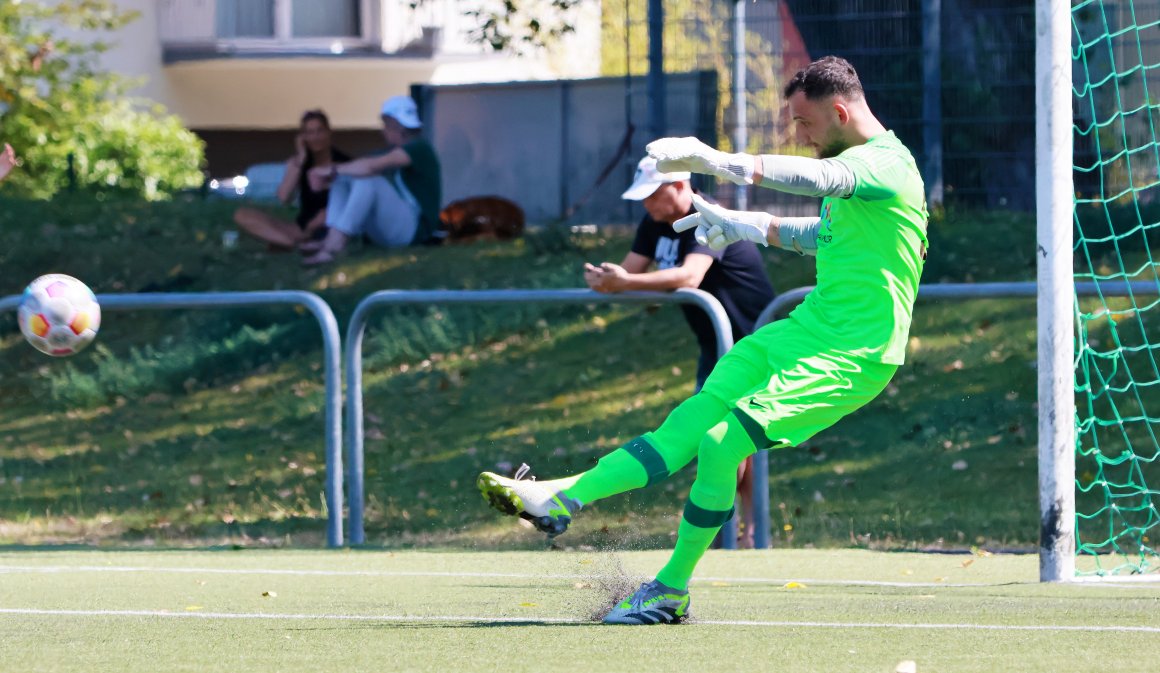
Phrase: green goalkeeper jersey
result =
(871, 248)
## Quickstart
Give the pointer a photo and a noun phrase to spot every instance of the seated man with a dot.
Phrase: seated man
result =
(734, 275)
(392, 198)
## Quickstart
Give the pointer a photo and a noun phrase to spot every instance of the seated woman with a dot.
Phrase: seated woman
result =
(313, 149)
(392, 198)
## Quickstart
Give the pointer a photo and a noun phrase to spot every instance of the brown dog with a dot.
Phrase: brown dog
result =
(482, 217)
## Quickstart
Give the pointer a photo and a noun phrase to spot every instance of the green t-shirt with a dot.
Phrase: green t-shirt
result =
(871, 248)
(424, 179)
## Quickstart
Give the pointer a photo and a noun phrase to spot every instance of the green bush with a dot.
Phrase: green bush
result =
(113, 147)
(167, 368)
(72, 125)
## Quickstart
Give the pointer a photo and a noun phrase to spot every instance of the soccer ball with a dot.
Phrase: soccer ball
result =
(58, 314)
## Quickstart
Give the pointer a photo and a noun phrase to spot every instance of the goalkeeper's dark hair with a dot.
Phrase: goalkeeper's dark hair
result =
(825, 77)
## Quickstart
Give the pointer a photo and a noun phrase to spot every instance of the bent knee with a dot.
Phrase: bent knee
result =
(246, 216)
(726, 444)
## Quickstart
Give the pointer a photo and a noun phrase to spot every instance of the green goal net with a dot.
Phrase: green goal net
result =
(1116, 108)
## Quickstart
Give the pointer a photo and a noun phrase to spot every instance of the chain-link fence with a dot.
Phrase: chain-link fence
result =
(982, 84)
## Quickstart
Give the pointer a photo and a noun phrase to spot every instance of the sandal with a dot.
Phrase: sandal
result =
(311, 247)
(321, 257)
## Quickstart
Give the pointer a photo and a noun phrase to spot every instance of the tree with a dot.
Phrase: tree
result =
(698, 37)
(519, 25)
(72, 124)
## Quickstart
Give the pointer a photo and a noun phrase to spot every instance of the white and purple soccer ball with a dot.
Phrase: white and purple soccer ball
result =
(58, 314)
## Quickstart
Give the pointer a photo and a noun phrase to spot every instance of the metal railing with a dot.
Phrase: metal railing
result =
(353, 357)
(331, 345)
(351, 360)
(956, 291)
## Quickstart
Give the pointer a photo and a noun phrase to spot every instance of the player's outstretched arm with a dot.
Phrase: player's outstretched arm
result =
(805, 176)
(797, 234)
(690, 155)
(717, 227)
(795, 175)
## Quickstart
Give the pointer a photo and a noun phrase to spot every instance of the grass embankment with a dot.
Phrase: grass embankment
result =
(182, 427)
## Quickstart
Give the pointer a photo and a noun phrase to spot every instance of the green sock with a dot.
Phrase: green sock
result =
(710, 501)
(692, 541)
(651, 457)
(633, 465)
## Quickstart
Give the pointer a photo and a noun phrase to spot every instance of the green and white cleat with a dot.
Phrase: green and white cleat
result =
(653, 603)
(550, 512)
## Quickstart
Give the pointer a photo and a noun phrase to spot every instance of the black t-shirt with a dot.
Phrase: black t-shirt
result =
(737, 277)
(310, 202)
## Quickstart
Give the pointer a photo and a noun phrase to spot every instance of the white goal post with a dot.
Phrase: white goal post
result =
(1056, 289)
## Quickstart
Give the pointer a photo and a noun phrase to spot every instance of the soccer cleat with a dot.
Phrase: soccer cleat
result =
(653, 603)
(549, 512)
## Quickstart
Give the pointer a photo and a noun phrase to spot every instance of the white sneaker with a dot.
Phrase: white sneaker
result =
(550, 512)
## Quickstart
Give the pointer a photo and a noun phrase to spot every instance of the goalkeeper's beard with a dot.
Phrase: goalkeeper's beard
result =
(831, 149)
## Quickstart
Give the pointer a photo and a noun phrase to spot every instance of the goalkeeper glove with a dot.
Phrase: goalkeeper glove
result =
(692, 155)
(717, 227)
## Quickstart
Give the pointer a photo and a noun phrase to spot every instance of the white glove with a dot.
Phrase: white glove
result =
(694, 156)
(717, 227)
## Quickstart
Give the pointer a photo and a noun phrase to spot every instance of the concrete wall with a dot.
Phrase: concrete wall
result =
(544, 144)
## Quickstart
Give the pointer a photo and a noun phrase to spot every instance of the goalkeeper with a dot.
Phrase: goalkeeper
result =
(792, 378)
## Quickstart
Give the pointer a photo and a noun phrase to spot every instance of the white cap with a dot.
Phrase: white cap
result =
(403, 110)
(648, 179)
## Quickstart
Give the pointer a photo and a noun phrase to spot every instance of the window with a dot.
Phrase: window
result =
(287, 19)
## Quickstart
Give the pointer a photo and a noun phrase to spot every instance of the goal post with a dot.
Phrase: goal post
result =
(1098, 223)
(1055, 313)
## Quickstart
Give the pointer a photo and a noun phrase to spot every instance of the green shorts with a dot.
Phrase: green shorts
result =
(791, 385)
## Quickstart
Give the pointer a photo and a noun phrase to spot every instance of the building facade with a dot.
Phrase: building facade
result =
(241, 72)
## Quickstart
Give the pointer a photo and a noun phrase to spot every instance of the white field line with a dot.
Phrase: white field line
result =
(1151, 578)
(491, 619)
(477, 575)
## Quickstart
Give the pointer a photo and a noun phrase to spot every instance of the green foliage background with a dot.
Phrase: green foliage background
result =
(697, 36)
(187, 427)
(57, 106)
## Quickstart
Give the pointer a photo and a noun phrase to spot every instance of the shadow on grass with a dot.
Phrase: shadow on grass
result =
(944, 459)
(370, 625)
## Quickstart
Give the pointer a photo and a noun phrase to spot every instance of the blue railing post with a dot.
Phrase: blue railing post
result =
(332, 354)
(353, 357)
